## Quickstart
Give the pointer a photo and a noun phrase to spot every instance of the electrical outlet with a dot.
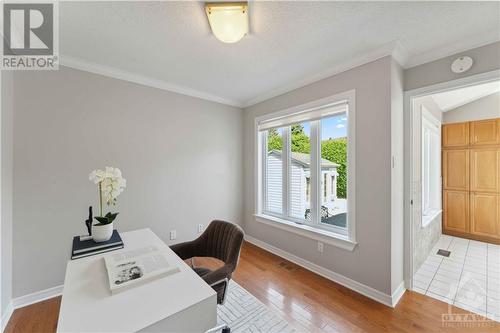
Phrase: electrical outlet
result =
(320, 247)
(200, 228)
(173, 234)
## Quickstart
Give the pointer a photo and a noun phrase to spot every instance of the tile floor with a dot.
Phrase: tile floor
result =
(469, 278)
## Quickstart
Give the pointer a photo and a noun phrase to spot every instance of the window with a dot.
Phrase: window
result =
(431, 167)
(306, 166)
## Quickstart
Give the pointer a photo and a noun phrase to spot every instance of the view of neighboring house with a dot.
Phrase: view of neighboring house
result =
(300, 192)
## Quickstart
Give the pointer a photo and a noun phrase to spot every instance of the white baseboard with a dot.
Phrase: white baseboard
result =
(6, 316)
(389, 300)
(36, 297)
(398, 293)
(26, 300)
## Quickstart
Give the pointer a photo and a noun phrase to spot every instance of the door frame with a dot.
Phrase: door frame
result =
(408, 114)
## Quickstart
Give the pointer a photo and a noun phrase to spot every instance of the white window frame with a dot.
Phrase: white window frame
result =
(342, 237)
(430, 210)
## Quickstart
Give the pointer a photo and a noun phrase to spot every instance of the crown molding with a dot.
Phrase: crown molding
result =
(83, 65)
(463, 45)
(394, 49)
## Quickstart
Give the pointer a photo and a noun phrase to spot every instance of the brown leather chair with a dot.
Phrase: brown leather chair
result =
(221, 240)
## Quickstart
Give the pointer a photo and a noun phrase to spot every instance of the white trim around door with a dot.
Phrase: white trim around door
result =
(409, 96)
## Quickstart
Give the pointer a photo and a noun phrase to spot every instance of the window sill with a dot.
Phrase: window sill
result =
(324, 236)
(427, 219)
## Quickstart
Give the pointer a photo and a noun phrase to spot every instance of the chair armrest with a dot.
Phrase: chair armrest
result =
(184, 250)
(216, 276)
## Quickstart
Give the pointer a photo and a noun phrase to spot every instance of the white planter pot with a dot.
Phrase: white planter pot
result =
(102, 233)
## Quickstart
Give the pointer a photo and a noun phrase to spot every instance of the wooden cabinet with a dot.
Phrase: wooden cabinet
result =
(471, 180)
(485, 132)
(484, 214)
(456, 212)
(456, 169)
(455, 135)
(485, 170)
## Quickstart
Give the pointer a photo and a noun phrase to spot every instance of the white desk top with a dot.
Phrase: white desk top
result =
(88, 306)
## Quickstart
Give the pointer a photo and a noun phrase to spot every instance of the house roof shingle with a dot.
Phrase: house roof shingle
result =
(305, 159)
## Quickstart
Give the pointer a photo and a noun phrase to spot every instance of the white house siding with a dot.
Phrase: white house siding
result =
(274, 184)
(297, 191)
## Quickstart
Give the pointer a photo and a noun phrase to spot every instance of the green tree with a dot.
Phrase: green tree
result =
(297, 129)
(300, 143)
(335, 150)
(274, 140)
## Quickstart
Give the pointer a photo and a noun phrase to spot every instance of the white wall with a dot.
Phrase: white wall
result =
(370, 262)
(181, 157)
(6, 118)
(487, 107)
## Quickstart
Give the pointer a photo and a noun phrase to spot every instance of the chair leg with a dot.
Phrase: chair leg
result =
(223, 327)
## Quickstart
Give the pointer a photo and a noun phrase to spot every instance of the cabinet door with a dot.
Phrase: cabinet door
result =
(485, 170)
(456, 169)
(456, 211)
(485, 132)
(498, 216)
(484, 214)
(455, 135)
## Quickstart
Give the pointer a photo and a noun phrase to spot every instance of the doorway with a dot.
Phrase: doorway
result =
(458, 268)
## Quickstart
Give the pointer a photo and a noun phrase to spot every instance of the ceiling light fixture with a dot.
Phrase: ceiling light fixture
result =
(228, 20)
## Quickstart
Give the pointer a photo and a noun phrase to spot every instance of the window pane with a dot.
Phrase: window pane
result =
(274, 170)
(334, 170)
(431, 169)
(300, 174)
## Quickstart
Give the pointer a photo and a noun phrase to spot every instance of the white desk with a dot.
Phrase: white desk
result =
(181, 302)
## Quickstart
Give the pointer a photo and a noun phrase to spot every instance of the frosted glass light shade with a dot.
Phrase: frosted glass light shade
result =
(229, 21)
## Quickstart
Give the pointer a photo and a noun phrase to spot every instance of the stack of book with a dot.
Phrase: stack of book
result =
(84, 246)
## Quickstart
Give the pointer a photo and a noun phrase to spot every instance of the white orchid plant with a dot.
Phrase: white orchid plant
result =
(111, 184)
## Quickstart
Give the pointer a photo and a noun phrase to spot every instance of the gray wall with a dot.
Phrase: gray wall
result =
(484, 108)
(397, 177)
(181, 157)
(370, 262)
(486, 59)
(424, 238)
(6, 188)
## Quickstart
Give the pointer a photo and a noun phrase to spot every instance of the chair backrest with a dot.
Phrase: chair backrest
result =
(222, 240)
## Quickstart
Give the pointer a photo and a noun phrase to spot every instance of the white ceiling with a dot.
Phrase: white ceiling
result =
(169, 44)
(452, 99)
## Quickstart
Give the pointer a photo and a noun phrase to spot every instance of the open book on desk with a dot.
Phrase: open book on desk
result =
(136, 267)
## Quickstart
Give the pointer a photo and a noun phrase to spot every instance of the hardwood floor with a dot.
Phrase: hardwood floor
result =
(308, 301)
